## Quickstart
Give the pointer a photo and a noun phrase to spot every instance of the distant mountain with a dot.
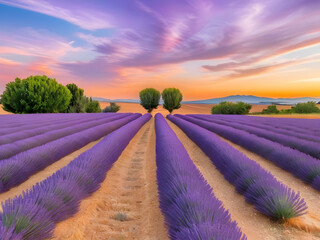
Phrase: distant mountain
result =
(233, 98)
(101, 99)
(254, 100)
(116, 100)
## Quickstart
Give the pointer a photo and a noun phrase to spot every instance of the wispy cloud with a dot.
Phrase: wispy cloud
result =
(71, 11)
(240, 39)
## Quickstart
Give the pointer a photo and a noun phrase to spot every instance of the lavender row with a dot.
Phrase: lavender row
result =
(33, 215)
(15, 136)
(308, 147)
(26, 120)
(258, 186)
(46, 121)
(299, 164)
(309, 126)
(253, 123)
(190, 208)
(19, 168)
(11, 149)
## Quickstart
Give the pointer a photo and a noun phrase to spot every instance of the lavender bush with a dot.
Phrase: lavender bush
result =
(47, 127)
(306, 146)
(33, 214)
(11, 149)
(310, 126)
(16, 122)
(20, 167)
(259, 186)
(257, 124)
(299, 164)
(190, 208)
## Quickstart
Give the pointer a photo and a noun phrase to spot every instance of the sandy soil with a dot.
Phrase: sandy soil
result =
(42, 175)
(251, 222)
(130, 188)
(3, 111)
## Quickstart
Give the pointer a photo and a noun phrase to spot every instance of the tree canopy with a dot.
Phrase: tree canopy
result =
(36, 94)
(149, 98)
(231, 108)
(172, 98)
(78, 101)
(93, 106)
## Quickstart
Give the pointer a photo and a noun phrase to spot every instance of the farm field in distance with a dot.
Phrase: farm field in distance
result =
(205, 109)
(105, 174)
(198, 109)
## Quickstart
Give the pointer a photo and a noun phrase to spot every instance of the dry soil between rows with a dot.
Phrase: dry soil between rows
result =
(252, 223)
(130, 188)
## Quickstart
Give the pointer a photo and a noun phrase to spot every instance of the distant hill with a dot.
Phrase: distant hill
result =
(233, 98)
(255, 100)
(116, 100)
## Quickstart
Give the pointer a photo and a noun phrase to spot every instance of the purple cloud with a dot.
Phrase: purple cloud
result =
(149, 33)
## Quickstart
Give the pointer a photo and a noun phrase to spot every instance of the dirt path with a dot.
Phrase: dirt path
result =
(42, 175)
(252, 223)
(126, 205)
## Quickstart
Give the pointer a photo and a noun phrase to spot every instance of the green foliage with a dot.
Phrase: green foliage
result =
(272, 109)
(120, 216)
(78, 101)
(35, 94)
(149, 98)
(172, 98)
(231, 108)
(93, 106)
(112, 108)
(308, 107)
(286, 111)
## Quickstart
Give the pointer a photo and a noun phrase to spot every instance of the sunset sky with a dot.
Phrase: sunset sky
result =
(207, 48)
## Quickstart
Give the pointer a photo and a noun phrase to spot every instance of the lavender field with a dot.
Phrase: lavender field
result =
(133, 176)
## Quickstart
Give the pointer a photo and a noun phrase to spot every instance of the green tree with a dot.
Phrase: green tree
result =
(308, 107)
(93, 106)
(272, 109)
(149, 99)
(231, 108)
(172, 98)
(113, 107)
(35, 94)
(78, 101)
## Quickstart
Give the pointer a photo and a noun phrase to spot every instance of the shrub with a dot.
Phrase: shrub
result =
(112, 108)
(172, 98)
(308, 107)
(78, 101)
(149, 99)
(93, 106)
(286, 111)
(120, 216)
(231, 108)
(272, 109)
(35, 94)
